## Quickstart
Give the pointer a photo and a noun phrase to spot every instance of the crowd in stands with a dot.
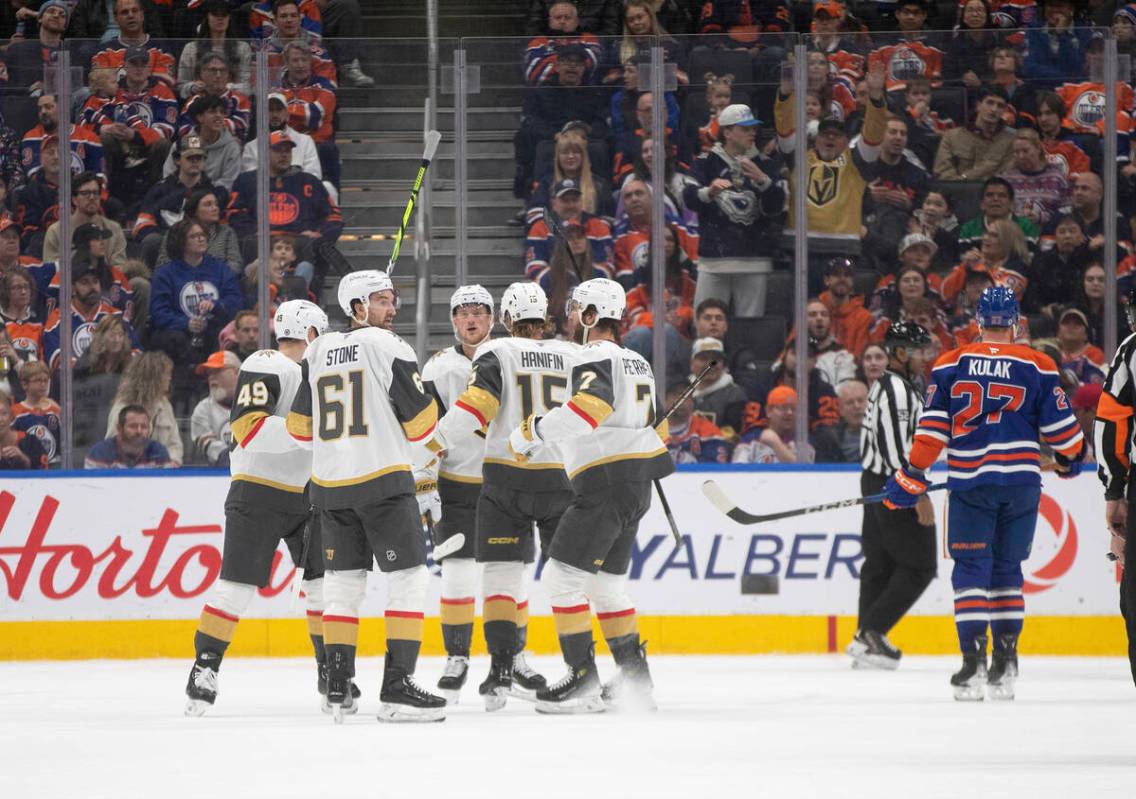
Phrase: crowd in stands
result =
(949, 148)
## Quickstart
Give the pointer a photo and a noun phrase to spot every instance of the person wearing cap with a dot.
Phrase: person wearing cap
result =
(562, 28)
(543, 238)
(896, 187)
(37, 201)
(717, 397)
(130, 16)
(739, 199)
(27, 58)
(1078, 355)
(1123, 31)
(851, 321)
(213, 71)
(86, 204)
(87, 309)
(916, 251)
(304, 155)
(90, 244)
(131, 446)
(843, 52)
(311, 105)
(783, 372)
(237, 54)
(221, 148)
(835, 182)
(209, 426)
(774, 442)
(86, 147)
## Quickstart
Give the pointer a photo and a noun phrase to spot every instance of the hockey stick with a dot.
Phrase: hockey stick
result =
(433, 137)
(719, 500)
(448, 547)
(298, 577)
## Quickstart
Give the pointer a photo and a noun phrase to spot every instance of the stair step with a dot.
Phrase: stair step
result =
(411, 147)
(410, 118)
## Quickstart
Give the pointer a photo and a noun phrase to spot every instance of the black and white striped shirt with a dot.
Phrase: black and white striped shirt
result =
(889, 424)
(1113, 429)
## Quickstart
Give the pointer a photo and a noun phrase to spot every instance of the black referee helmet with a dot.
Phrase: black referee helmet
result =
(907, 335)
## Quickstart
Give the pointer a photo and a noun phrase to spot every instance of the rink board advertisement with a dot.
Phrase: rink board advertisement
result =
(112, 566)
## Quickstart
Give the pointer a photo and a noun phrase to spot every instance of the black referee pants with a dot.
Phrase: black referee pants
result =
(1128, 582)
(899, 560)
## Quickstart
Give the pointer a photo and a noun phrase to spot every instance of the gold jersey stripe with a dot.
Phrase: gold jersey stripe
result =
(663, 428)
(351, 481)
(524, 465)
(421, 425)
(618, 626)
(572, 623)
(615, 458)
(315, 626)
(264, 481)
(340, 632)
(460, 478)
(299, 425)
(244, 425)
(482, 402)
(499, 609)
(216, 626)
(457, 614)
(404, 628)
(594, 407)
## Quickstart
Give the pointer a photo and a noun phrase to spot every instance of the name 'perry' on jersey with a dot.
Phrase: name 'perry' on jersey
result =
(512, 379)
(446, 376)
(988, 404)
(361, 406)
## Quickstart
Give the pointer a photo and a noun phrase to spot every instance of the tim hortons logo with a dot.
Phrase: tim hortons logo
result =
(66, 569)
(1059, 523)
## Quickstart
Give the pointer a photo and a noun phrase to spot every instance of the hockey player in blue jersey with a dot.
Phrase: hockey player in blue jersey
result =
(988, 403)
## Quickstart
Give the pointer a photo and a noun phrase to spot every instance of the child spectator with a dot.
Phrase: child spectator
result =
(18, 450)
(38, 415)
(719, 94)
(936, 219)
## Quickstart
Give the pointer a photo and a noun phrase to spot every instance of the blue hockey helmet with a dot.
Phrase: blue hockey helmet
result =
(998, 307)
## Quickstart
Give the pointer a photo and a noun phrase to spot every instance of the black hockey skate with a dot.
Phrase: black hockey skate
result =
(499, 684)
(453, 678)
(872, 650)
(630, 689)
(201, 690)
(321, 686)
(526, 680)
(340, 697)
(404, 700)
(969, 682)
(1003, 671)
(579, 691)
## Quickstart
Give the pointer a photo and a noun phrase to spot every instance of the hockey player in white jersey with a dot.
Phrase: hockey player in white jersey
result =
(360, 409)
(612, 453)
(511, 379)
(267, 502)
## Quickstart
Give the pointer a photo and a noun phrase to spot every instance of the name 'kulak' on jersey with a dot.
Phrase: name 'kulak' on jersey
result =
(987, 403)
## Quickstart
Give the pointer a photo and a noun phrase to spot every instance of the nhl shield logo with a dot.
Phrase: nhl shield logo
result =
(391, 556)
(824, 182)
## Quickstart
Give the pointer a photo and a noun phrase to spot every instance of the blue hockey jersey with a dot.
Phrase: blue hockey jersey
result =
(989, 404)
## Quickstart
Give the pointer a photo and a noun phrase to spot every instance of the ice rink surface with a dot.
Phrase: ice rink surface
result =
(768, 726)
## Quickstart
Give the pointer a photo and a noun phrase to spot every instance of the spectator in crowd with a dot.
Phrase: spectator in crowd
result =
(851, 321)
(624, 107)
(136, 127)
(290, 30)
(717, 397)
(629, 145)
(1078, 355)
(18, 450)
(711, 320)
(967, 53)
(132, 25)
(26, 59)
(86, 209)
(246, 334)
(10, 257)
(193, 77)
(311, 106)
(964, 324)
(755, 28)
(571, 263)
(147, 383)
(1055, 272)
(982, 148)
(236, 109)
(89, 248)
(873, 363)
(570, 161)
(1084, 402)
(209, 425)
(836, 179)
(737, 196)
(1021, 94)
(925, 125)
(130, 445)
(1090, 299)
(774, 442)
(542, 53)
(37, 202)
(95, 379)
(834, 362)
(1062, 148)
(221, 149)
(641, 31)
(21, 324)
(692, 437)
(542, 238)
(936, 219)
(313, 217)
(678, 297)
(304, 154)
(719, 95)
(600, 17)
(896, 187)
(87, 309)
(1003, 254)
(997, 203)
(914, 53)
(675, 182)
(916, 251)
(342, 22)
(1041, 192)
(851, 403)
(194, 296)
(38, 415)
(1056, 51)
(910, 302)
(1087, 200)
(203, 207)
(86, 147)
(833, 91)
(564, 98)
(262, 19)
(633, 232)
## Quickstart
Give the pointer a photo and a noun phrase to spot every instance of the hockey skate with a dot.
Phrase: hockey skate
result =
(1003, 670)
(969, 682)
(630, 690)
(321, 686)
(404, 700)
(872, 650)
(201, 690)
(340, 698)
(499, 684)
(453, 678)
(579, 691)
(526, 680)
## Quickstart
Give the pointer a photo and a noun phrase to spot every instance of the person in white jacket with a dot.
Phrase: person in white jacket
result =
(835, 363)
(304, 154)
(209, 426)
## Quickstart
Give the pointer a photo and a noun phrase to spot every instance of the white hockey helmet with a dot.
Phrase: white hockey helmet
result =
(295, 317)
(473, 294)
(359, 286)
(607, 296)
(523, 300)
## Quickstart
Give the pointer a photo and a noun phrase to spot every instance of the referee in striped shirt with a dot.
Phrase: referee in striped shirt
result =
(898, 545)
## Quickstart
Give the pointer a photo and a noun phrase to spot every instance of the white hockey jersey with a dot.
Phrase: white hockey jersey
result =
(606, 430)
(512, 379)
(361, 407)
(266, 386)
(446, 376)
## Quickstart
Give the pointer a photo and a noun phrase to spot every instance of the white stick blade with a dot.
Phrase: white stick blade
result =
(433, 139)
(717, 496)
(449, 546)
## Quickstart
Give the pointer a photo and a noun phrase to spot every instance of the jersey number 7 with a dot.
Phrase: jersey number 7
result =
(1009, 397)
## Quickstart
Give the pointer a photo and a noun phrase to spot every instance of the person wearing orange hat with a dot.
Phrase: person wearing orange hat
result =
(209, 426)
(774, 443)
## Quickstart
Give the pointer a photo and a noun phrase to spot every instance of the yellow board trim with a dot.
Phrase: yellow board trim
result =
(248, 478)
(241, 427)
(423, 423)
(615, 458)
(352, 481)
(669, 635)
(460, 478)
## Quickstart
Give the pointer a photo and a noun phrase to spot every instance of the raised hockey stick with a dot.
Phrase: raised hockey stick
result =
(722, 502)
(433, 137)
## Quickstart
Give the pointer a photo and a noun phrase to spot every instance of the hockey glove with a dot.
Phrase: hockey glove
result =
(525, 439)
(1068, 468)
(903, 489)
(426, 491)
